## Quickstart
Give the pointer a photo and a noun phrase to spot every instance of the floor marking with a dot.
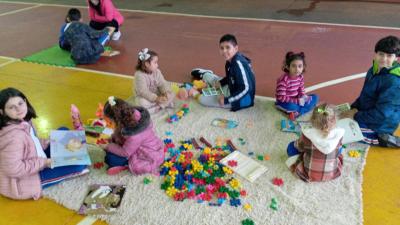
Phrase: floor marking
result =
(6, 63)
(20, 10)
(88, 220)
(336, 81)
(220, 17)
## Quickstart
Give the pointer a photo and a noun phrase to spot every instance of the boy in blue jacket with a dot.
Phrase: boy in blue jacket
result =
(239, 82)
(377, 109)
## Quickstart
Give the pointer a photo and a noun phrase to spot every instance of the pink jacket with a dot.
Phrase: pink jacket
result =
(141, 146)
(109, 13)
(19, 163)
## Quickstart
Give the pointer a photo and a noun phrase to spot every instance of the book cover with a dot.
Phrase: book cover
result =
(102, 199)
(211, 91)
(245, 166)
(68, 147)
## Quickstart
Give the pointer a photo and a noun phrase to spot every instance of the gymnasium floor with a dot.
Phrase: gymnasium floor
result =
(185, 41)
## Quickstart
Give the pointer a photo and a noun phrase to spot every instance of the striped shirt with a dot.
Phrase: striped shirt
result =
(289, 89)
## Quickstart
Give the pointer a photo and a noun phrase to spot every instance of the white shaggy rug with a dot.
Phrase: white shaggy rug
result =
(337, 202)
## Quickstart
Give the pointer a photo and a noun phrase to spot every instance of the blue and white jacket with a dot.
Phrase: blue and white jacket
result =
(379, 102)
(61, 41)
(241, 82)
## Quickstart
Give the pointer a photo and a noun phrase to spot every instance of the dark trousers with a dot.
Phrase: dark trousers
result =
(100, 26)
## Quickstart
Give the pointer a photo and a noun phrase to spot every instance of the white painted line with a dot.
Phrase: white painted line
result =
(220, 17)
(88, 220)
(20, 10)
(9, 58)
(6, 63)
(336, 81)
(100, 72)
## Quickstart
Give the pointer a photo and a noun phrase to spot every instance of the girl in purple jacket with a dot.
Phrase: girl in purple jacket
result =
(24, 158)
(134, 144)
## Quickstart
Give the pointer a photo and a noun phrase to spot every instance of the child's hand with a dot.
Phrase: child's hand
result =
(348, 114)
(161, 99)
(48, 163)
(103, 146)
(217, 85)
(221, 100)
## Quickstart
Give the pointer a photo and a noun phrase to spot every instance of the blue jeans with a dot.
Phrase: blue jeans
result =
(115, 160)
(293, 107)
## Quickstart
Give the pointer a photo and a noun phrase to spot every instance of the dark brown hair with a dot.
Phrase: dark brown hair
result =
(141, 65)
(290, 57)
(324, 118)
(121, 113)
(5, 95)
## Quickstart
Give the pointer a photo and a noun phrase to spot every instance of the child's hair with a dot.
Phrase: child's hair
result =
(5, 95)
(120, 112)
(324, 118)
(389, 45)
(73, 15)
(229, 38)
(290, 57)
(96, 7)
(145, 55)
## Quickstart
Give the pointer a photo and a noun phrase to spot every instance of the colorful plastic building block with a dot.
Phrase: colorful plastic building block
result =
(274, 204)
(277, 181)
(260, 157)
(247, 222)
(147, 180)
(232, 163)
(354, 153)
(247, 207)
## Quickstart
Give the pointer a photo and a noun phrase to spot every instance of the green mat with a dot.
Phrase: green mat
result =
(51, 56)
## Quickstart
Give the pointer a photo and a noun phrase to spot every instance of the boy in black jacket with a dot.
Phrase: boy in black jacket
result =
(239, 82)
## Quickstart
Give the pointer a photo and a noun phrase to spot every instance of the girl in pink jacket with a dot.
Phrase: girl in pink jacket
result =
(24, 165)
(134, 144)
(103, 14)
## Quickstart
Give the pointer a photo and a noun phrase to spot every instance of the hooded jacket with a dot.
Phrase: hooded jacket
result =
(379, 102)
(19, 163)
(141, 146)
(241, 82)
(109, 12)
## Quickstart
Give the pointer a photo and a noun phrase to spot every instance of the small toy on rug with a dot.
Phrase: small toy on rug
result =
(186, 91)
(168, 133)
(204, 141)
(290, 126)
(178, 115)
(98, 165)
(232, 163)
(277, 181)
(242, 141)
(274, 204)
(260, 157)
(247, 222)
(354, 153)
(224, 123)
(267, 157)
(247, 207)
(147, 180)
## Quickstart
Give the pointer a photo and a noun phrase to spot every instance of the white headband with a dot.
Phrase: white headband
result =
(144, 55)
(111, 100)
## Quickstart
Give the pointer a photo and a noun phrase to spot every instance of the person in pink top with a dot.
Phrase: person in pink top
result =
(152, 90)
(134, 144)
(103, 14)
(24, 158)
(290, 94)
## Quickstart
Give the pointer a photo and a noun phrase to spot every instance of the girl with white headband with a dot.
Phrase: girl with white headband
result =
(152, 90)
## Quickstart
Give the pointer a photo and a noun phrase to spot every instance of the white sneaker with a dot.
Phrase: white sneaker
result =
(116, 36)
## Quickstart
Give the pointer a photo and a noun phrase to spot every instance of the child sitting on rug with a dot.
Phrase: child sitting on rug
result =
(377, 109)
(290, 94)
(134, 144)
(152, 90)
(24, 165)
(85, 44)
(317, 153)
(239, 83)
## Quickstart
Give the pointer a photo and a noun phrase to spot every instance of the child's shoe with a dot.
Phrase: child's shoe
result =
(116, 170)
(76, 118)
(116, 36)
(389, 141)
(197, 73)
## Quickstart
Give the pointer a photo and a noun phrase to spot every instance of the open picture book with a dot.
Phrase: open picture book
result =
(102, 199)
(68, 147)
(245, 166)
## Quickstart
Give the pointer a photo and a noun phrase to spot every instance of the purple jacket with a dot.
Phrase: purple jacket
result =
(141, 145)
(19, 163)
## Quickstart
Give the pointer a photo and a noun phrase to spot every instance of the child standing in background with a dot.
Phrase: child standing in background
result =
(318, 150)
(24, 158)
(103, 14)
(290, 94)
(239, 84)
(134, 144)
(152, 90)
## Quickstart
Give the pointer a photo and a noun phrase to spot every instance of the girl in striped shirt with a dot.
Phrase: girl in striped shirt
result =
(290, 94)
